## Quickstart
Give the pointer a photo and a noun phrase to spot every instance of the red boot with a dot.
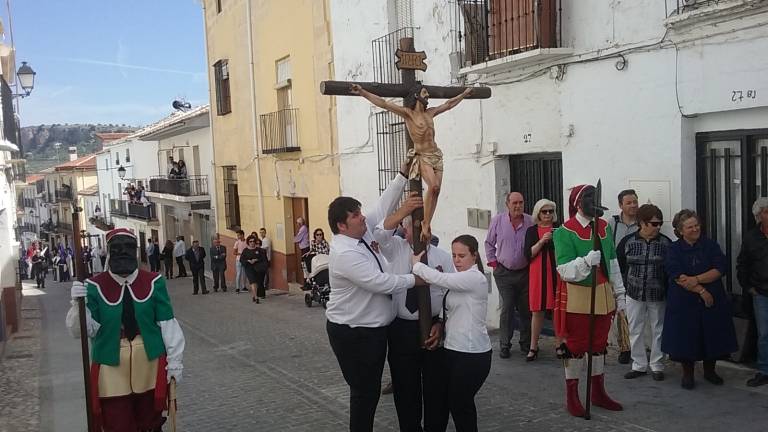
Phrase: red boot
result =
(600, 397)
(573, 403)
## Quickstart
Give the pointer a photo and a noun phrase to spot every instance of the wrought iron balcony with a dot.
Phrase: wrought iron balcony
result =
(188, 187)
(134, 210)
(28, 227)
(280, 131)
(492, 29)
(64, 194)
(101, 223)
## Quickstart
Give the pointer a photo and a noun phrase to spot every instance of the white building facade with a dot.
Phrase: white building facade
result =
(666, 97)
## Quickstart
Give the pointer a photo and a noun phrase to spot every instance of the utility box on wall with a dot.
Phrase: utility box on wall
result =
(478, 218)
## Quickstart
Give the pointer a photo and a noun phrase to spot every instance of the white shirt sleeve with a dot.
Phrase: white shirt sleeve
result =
(73, 322)
(389, 245)
(616, 280)
(356, 269)
(386, 203)
(574, 271)
(173, 338)
(466, 281)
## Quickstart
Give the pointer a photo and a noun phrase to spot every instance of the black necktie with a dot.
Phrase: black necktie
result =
(372, 253)
(412, 300)
(130, 327)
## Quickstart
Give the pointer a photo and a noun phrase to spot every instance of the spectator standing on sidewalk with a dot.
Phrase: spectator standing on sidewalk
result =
(179, 250)
(168, 259)
(219, 265)
(641, 259)
(196, 257)
(624, 224)
(504, 250)
(752, 272)
(266, 244)
(239, 247)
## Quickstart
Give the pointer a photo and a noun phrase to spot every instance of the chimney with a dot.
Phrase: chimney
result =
(72, 153)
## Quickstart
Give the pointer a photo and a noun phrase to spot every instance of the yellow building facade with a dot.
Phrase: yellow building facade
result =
(273, 132)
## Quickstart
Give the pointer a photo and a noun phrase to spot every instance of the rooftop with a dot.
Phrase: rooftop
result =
(84, 163)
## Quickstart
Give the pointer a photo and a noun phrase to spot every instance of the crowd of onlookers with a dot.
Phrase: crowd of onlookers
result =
(136, 195)
(674, 288)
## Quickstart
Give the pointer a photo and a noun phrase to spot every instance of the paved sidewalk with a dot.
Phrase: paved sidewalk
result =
(268, 367)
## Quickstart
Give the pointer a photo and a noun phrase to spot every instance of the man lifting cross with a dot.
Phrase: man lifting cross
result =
(426, 158)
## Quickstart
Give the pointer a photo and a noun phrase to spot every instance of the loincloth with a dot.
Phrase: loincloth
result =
(431, 158)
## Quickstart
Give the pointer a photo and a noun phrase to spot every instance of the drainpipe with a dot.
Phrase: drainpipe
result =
(212, 177)
(254, 132)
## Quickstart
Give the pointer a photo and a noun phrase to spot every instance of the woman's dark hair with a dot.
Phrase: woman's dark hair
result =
(318, 231)
(680, 218)
(646, 212)
(168, 243)
(338, 209)
(471, 243)
(252, 238)
(410, 100)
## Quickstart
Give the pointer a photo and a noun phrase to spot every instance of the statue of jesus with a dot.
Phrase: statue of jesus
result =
(426, 158)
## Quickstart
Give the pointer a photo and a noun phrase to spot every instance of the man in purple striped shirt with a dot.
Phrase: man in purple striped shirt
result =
(504, 251)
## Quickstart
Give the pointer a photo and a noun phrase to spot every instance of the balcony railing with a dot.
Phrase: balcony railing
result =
(28, 202)
(192, 186)
(129, 209)
(491, 29)
(28, 227)
(101, 223)
(64, 227)
(280, 131)
(64, 194)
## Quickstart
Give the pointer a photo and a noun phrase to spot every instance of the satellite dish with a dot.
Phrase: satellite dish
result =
(181, 105)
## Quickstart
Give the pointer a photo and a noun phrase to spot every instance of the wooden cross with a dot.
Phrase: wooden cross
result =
(408, 62)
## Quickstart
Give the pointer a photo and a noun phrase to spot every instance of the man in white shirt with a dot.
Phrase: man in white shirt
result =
(360, 306)
(266, 244)
(179, 250)
(416, 378)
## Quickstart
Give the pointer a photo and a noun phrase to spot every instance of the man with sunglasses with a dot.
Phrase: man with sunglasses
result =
(641, 258)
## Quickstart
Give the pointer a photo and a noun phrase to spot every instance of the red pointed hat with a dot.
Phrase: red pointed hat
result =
(120, 232)
(573, 199)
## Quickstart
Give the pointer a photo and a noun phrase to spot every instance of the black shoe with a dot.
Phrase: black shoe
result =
(215, 290)
(205, 292)
(532, 355)
(504, 353)
(194, 293)
(657, 375)
(224, 289)
(634, 374)
(625, 357)
(713, 377)
(758, 380)
(237, 291)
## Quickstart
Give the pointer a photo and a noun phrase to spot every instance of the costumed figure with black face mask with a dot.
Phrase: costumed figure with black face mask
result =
(575, 259)
(137, 344)
(426, 158)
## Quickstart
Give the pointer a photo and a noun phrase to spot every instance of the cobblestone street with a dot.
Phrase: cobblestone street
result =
(268, 367)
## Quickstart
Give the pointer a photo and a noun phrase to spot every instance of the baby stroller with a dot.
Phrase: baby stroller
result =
(316, 285)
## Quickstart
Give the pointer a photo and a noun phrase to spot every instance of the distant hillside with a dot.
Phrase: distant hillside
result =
(38, 141)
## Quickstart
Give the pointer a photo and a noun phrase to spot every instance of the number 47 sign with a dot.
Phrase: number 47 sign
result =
(739, 95)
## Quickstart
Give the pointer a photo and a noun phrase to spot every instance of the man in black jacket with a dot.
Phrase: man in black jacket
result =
(196, 257)
(219, 265)
(752, 273)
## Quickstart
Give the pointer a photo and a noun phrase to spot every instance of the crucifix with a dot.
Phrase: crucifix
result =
(426, 159)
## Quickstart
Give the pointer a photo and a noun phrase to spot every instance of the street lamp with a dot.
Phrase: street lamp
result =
(121, 172)
(26, 79)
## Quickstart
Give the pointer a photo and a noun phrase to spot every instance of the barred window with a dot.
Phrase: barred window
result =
(223, 97)
(231, 198)
(537, 176)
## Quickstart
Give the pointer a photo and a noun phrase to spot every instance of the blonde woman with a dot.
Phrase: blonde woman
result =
(542, 277)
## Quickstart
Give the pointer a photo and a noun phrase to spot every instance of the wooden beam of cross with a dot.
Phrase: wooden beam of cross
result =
(409, 60)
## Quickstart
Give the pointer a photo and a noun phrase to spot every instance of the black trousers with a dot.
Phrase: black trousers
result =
(198, 279)
(218, 275)
(417, 379)
(465, 374)
(168, 268)
(154, 263)
(361, 352)
(182, 269)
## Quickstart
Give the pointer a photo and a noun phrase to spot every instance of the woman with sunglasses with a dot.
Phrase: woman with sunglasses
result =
(467, 345)
(542, 271)
(641, 258)
(319, 245)
(254, 261)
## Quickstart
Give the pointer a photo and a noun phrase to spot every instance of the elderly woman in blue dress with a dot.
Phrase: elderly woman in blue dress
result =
(698, 322)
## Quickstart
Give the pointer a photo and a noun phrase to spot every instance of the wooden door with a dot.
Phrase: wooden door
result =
(299, 208)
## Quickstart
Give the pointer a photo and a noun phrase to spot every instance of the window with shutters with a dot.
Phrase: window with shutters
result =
(231, 198)
(223, 96)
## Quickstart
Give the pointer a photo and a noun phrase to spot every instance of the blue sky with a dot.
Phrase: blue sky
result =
(109, 61)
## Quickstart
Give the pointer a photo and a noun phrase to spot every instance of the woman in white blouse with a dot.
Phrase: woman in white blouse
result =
(467, 346)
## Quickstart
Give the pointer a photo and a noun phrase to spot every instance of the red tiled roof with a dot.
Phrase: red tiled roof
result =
(106, 137)
(33, 178)
(85, 162)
